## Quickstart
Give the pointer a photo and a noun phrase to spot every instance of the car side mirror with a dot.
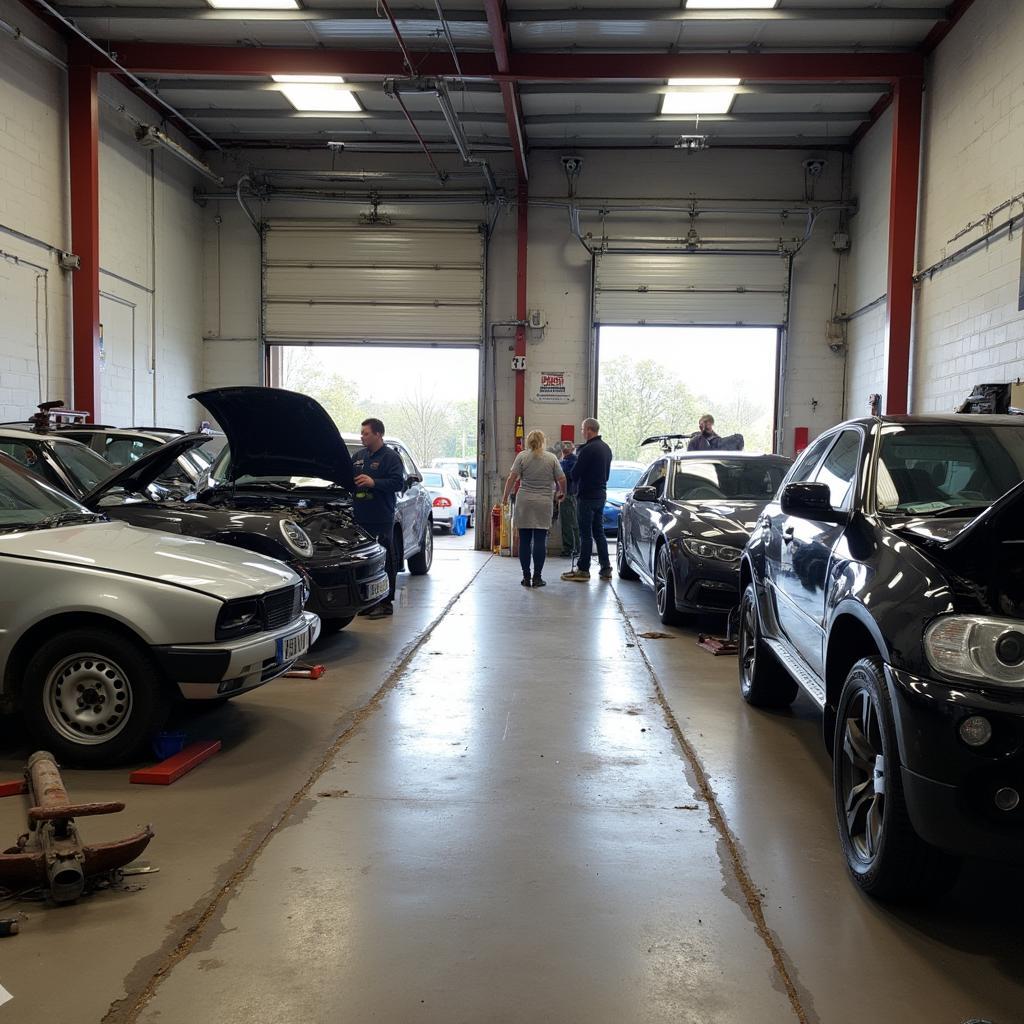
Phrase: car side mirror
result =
(413, 478)
(810, 501)
(645, 493)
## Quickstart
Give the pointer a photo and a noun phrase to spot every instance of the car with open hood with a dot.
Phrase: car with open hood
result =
(685, 523)
(101, 623)
(284, 448)
(886, 581)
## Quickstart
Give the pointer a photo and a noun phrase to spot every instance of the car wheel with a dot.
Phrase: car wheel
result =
(419, 564)
(92, 697)
(665, 588)
(764, 683)
(885, 856)
(625, 572)
(328, 627)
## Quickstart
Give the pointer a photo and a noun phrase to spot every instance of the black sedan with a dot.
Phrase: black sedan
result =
(684, 525)
(887, 582)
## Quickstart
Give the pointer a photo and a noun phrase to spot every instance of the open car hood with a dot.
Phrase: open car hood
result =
(272, 432)
(1001, 522)
(135, 478)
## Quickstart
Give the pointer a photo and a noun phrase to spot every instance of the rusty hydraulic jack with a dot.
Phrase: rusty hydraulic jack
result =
(51, 855)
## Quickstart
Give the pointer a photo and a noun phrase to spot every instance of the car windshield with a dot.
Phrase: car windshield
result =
(83, 465)
(623, 479)
(28, 503)
(736, 480)
(947, 467)
(218, 477)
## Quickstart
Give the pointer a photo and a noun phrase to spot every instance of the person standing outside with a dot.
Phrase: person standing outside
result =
(379, 476)
(590, 474)
(539, 474)
(705, 440)
(568, 512)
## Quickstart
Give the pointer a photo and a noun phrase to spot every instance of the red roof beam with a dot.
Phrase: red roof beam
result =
(509, 93)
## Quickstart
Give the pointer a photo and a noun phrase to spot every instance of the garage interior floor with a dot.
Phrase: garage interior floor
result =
(501, 805)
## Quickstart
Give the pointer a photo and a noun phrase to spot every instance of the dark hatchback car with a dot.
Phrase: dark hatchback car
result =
(887, 582)
(683, 527)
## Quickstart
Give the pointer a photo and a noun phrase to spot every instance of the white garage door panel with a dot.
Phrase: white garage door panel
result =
(335, 281)
(295, 323)
(690, 288)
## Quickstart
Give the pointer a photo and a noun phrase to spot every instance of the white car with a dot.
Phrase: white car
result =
(447, 496)
(101, 622)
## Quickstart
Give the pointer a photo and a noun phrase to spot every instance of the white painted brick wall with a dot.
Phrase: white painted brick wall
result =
(968, 329)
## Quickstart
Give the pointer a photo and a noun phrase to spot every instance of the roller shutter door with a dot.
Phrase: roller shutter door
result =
(683, 289)
(334, 281)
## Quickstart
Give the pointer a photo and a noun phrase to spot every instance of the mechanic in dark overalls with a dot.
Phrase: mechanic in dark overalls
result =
(379, 476)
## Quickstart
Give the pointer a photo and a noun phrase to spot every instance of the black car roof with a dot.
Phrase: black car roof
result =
(723, 456)
(935, 419)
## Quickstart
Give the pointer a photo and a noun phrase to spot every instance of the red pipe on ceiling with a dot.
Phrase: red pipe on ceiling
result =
(522, 233)
(83, 167)
(509, 93)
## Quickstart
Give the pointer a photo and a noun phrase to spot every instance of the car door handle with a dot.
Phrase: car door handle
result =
(787, 535)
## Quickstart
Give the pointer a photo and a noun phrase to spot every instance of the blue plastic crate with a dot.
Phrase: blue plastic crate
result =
(459, 525)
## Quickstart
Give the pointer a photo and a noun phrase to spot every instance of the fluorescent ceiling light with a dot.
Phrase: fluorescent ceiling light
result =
(256, 5)
(709, 96)
(321, 93)
(751, 5)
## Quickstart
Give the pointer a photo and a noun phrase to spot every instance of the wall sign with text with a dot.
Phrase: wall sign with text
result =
(552, 386)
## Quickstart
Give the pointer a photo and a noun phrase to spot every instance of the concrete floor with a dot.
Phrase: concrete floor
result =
(502, 805)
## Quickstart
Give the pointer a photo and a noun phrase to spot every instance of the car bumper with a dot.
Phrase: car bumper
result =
(341, 591)
(949, 787)
(220, 669)
(703, 585)
(610, 519)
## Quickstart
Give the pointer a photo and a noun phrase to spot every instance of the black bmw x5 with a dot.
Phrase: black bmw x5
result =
(887, 582)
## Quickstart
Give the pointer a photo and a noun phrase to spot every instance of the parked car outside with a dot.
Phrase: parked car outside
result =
(447, 497)
(621, 480)
(886, 581)
(100, 622)
(683, 527)
(465, 471)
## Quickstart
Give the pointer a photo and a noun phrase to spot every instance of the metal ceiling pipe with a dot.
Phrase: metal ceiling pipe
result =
(448, 35)
(406, 56)
(459, 135)
(361, 176)
(441, 176)
(37, 48)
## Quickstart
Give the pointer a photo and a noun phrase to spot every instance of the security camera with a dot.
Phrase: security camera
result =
(815, 168)
(572, 164)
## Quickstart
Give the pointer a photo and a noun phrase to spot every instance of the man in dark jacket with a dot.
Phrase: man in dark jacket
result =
(379, 476)
(590, 474)
(705, 440)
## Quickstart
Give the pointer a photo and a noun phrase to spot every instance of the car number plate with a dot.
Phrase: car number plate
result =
(378, 588)
(290, 647)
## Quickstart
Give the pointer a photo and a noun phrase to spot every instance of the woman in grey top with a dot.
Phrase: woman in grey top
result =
(539, 474)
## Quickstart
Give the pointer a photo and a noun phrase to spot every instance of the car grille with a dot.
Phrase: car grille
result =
(282, 606)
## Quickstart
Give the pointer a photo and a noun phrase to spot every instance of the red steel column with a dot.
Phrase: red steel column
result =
(903, 194)
(83, 165)
(522, 195)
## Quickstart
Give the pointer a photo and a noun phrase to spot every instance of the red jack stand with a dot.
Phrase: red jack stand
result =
(304, 670)
(717, 645)
(172, 768)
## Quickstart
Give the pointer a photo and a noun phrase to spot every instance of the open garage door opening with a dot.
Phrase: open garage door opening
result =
(426, 397)
(661, 380)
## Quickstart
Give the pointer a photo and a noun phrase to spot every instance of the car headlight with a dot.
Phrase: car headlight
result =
(238, 618)
(296, 538)
(718, 552)
(976, 647)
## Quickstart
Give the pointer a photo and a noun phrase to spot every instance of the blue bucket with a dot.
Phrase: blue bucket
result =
(167, 744)
(459, 525)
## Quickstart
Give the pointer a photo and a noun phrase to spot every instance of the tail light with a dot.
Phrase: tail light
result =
(442, 503)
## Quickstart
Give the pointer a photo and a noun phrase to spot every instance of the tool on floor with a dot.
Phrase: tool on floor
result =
(51, 854)
(717, 645)
(172, 769)
(9, 926)
(304, 670)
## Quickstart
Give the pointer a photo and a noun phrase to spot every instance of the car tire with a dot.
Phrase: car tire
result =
(886, 858)
(625, 572)
(665, 588)
(419, 564)
(132, 700)
(328, 627)
(764, 683)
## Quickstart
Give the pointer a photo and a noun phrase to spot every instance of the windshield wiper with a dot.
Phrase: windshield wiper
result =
(270, 485)
(66, 518)
(966, 511)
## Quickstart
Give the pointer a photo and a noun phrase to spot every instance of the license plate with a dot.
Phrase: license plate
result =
(290, 647)
(378, 588)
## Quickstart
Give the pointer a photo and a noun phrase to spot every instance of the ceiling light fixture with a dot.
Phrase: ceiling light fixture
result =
(704, 96)
(255, 5)
(319, 93)
(718, 5)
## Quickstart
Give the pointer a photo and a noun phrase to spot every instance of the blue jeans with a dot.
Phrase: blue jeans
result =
(590, 512)
(535, 542)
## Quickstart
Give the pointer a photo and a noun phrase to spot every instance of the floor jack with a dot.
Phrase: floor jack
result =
(719, 645)
(51, 855)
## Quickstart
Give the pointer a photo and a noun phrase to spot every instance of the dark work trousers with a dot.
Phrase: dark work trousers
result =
(568, 514)
(591, 518)
(533, 542)
(384, 535)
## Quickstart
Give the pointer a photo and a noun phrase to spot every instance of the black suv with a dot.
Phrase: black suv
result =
(886, 580)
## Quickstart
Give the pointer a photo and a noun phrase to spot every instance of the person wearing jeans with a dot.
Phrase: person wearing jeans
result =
(590, 474)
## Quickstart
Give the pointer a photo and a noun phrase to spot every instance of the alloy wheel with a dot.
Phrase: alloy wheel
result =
(87, 698)
(748, 642)
(661, 571)
(863, 776)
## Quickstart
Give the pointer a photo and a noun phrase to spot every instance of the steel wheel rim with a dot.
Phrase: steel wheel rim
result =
(661, 582)
(863, 777)
(748, 642)
(87, 699)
